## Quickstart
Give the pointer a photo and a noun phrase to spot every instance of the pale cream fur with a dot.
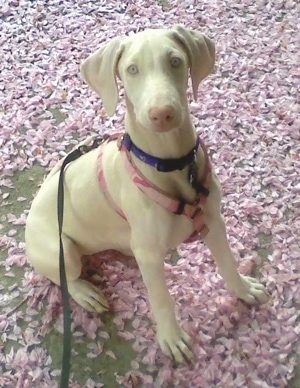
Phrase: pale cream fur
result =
(153, 66)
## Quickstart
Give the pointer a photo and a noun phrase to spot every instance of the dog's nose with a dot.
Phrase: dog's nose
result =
(162, 115)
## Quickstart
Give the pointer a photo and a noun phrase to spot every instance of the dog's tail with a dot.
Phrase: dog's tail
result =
(58, 165)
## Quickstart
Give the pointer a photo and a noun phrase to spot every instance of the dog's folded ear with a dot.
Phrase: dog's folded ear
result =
(200, 51)
(100, 71)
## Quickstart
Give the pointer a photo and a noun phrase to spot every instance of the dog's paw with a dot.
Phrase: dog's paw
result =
(251, 291)
(88, 296)
(176, 344)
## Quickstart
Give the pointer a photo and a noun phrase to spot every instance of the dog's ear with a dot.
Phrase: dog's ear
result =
(100, 71)
(200, 51)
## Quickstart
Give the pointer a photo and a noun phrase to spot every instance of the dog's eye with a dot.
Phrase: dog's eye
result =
(132, 69)
(176, 61)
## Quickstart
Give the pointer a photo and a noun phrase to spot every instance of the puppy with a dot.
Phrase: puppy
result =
(145, 191)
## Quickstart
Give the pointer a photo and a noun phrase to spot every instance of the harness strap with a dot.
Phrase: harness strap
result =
(102, 179)
(169, 202)
(154, 192)
(164, 199)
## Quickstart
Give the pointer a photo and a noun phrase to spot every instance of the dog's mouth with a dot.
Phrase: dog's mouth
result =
(158, 128)
(162, 128)
(162, 125)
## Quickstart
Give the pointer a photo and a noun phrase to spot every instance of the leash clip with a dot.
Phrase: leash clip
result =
(84, 149)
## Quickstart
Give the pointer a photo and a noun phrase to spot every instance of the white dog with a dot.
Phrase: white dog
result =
(146, 192)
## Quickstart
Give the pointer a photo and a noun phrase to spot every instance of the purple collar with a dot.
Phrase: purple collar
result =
(162, 165)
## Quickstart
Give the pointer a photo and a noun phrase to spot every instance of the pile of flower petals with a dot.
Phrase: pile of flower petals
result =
(249, 117)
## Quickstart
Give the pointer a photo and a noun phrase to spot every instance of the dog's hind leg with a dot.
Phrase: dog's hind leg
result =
(83, 292)
(88, 296)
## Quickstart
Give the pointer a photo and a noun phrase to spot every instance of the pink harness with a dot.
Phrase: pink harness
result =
(174, 205)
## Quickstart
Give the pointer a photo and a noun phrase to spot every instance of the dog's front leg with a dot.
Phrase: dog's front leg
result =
(173, 341)
(244, 287)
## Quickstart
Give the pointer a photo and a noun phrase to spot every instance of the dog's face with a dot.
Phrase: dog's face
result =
(154, 71)
(153, 66)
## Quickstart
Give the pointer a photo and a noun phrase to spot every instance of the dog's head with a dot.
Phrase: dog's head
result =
(153, 66)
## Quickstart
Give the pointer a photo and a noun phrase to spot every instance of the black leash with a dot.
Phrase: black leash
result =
(67, 340)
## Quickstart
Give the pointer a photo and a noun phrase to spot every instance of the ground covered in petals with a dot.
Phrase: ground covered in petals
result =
(248, 115)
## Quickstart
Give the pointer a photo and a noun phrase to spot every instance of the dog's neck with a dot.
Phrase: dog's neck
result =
(175, 143)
